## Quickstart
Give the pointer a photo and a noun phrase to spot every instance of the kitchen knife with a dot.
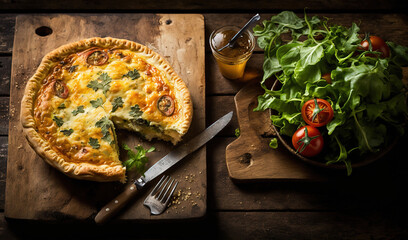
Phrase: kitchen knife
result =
(114, 206)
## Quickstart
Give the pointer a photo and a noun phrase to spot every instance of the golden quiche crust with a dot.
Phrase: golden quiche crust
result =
(100, 161)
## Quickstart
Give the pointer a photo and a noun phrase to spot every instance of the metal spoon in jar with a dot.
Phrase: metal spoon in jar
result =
(239, 33)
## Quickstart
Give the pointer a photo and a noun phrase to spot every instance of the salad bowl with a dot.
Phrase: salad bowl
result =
(319, 161)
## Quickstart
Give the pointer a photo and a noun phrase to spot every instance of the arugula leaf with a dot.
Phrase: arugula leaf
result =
(137, 160)
(80, 109)
(117, 103)
(94, 143)
(132, 74)
(342, 156)
(58, 121)
(96, 103)
(237, 132)
(289, 20)
(273, 143)
(67, 132)
(399, 54)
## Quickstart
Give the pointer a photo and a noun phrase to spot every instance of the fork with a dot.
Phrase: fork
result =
(156, 200)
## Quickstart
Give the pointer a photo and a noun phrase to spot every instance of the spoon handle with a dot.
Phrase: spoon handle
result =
(247, 25)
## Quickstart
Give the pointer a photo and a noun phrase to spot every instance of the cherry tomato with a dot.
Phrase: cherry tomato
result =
(327, 77)
(317, 112)
(165, 104)
(96, 57)
(308, 141)
(61, 89)
(378, 45)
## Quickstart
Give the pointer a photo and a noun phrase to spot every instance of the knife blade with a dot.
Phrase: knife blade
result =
(114, 206)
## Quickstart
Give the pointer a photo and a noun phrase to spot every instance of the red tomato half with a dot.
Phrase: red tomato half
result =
(96, 57)
(165, 104)
(308, 141)
(378, 45)
(317, 112)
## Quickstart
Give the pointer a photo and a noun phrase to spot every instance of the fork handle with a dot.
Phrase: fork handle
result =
(114, 206)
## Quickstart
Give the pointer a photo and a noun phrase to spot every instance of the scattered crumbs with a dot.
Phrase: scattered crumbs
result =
(189, 177)
(186, 196)
(20, 146)
(12, 111)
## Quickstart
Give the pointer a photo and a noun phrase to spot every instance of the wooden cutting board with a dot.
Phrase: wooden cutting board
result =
(249, 158)
(37, 191)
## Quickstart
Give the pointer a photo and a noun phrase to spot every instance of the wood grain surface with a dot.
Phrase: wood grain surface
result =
(37, 191)
(370, 204)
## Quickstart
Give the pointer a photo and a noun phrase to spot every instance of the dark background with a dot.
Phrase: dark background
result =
(209, 6)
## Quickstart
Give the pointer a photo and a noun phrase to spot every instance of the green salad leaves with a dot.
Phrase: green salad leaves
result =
(366, 93)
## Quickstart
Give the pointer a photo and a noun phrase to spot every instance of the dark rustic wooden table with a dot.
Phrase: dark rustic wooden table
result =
(371, 204)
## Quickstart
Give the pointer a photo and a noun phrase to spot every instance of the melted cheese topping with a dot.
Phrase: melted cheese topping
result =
(123, 92)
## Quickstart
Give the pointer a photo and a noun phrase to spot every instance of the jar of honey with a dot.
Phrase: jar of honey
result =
(231, 60)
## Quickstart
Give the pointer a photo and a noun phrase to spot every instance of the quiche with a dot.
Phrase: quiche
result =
(83, 91)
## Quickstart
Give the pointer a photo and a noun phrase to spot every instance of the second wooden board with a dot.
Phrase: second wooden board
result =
(249, 157)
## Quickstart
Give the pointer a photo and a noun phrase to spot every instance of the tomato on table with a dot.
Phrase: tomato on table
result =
(317, 112)
(308, 141)
(377, 45)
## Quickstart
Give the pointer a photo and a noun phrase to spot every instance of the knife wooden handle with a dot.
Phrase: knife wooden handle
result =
(114, 206)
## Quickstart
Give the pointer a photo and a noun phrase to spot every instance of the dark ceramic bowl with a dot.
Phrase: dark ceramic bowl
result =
(320, 162)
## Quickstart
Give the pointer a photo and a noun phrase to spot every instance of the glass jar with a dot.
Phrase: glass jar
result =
(232, 60)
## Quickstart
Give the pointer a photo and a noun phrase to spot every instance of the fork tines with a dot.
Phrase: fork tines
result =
(164, 180)
(158, 199)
